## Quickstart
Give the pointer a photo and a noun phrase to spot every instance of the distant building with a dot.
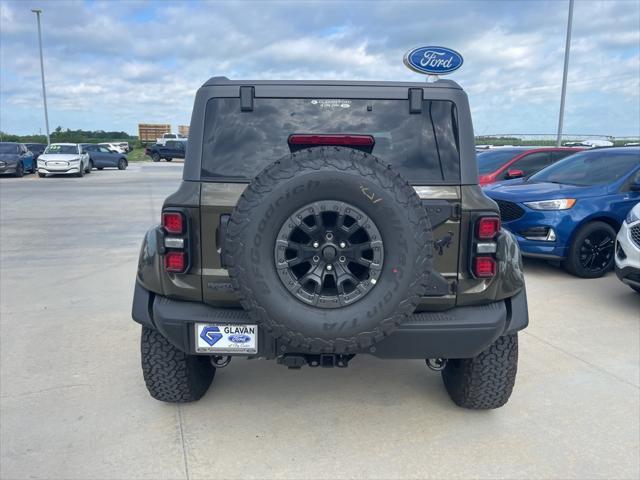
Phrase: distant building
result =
(149, 132)
(183, 130)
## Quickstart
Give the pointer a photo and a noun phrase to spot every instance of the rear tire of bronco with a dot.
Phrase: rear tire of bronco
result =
(485, 381)
(155, 157)
(172, 375)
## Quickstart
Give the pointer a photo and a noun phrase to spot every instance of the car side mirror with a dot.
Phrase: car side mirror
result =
(514, 173)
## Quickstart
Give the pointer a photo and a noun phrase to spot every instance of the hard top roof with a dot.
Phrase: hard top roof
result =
(333, 83)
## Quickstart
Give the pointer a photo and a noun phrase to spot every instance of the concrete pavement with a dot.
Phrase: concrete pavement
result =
(74, 405)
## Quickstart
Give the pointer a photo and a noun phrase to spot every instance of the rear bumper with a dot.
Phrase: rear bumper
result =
(461, 332)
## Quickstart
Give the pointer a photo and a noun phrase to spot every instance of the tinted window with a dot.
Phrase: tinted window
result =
(595, 167)
(532, 163)
(9, 148)
(555, 156)
(491, 160)
(422, 147)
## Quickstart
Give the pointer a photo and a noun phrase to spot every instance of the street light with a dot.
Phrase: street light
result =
(567, 47)
(44, 90)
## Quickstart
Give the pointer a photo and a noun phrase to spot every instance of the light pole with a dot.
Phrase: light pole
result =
(44, 90)
(567, 47)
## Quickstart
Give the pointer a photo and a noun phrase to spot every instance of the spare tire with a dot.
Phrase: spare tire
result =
(329, 249)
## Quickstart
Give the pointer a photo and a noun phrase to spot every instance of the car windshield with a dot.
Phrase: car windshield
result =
(8, 148)
(490, 160)
(62, 149)
(594, 167)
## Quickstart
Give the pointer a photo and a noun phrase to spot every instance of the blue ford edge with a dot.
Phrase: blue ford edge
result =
(571, 211)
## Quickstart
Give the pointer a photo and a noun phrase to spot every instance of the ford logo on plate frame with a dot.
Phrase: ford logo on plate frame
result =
(433, 60)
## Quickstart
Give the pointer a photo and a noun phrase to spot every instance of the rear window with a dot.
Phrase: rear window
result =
(238, 145)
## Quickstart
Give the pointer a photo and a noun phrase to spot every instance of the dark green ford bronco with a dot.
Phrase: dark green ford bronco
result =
(320, 220)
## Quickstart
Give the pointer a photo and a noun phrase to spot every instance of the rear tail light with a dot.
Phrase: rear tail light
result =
(484, 267)
(484, 246)
(176, 245)
(173, 222)
(175, 261)
(487, 227)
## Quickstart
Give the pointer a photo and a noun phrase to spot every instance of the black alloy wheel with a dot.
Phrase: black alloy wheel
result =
(329, 250)
(596, 251)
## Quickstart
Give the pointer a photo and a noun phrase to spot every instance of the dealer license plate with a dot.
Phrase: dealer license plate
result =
(226, 338)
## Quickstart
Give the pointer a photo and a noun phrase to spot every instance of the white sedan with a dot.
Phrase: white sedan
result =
(628, 250)
(64, 158)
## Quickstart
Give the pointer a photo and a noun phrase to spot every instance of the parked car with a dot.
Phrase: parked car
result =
(628, 250)
(125, 146)
(116, 147)
(571, 211)
(15, 158)
(36, 148)
(328, 253)
(514, 162)
(172, 149)
(64, 158)
(102, 157)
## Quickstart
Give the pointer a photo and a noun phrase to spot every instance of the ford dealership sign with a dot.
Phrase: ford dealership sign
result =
(433, 60)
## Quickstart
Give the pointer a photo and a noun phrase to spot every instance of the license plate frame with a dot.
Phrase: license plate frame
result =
(226, 338)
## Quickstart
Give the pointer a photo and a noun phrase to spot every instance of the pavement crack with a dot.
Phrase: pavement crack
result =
(45, 390)
(572, 355)
(184, 447)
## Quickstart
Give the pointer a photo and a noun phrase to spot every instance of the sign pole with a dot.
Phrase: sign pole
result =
(44, 91)
(565, 73)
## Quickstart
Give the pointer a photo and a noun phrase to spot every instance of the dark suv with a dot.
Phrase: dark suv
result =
(318, 220)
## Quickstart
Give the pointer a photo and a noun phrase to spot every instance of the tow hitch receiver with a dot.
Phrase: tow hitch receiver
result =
(298, 360)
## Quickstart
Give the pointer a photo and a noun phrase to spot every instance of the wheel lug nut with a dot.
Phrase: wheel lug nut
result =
(343, 245)
(329, 236)
(316, 258)
(315, 244)
(329, 267)
(342, 259)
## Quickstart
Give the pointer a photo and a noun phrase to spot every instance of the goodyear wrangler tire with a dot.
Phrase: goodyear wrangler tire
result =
(329, 250)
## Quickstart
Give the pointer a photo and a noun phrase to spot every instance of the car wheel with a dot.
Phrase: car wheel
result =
(344, 264)
(168, 159)
(155, 157)
(170, 374)
(89, 167)
(100, 168)
(122, 164)
(42, 175)
(80, 172)
(592, 252)
(485, 381)
(19, 169)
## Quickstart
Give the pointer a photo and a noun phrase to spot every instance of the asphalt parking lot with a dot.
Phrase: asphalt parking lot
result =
(74, 406)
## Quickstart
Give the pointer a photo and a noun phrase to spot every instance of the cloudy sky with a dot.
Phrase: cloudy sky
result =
(111, 65)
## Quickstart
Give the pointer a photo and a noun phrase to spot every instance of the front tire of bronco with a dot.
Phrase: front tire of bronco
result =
(172, 375)
(485, 381)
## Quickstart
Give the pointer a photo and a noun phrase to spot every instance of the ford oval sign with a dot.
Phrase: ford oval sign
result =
(239, 338)
(433, 60)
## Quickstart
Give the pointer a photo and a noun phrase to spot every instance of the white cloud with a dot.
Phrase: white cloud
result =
(111, 67)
